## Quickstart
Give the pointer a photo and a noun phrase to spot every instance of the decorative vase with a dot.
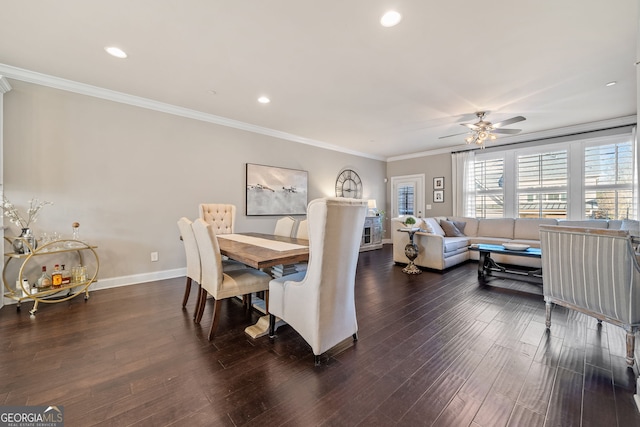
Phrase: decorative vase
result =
(24, 241)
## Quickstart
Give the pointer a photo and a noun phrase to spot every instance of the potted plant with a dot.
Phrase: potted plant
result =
(410, 222)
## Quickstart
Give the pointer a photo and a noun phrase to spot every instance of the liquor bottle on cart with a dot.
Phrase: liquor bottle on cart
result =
(44, 281)
(56, 277)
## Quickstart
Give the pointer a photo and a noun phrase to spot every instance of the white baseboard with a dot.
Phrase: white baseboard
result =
(134, 279)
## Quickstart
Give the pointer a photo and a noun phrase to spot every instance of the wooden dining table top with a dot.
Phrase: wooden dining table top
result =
(260, 257)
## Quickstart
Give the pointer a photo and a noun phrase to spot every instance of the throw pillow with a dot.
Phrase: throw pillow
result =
(432, 226)
(450, 230)
(428, 228)
(460, 225)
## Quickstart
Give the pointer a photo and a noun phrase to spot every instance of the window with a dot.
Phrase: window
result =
(407, 192)
(489, 179)
(608, 181)
(542, 184)
(577, 179)
(405, 200)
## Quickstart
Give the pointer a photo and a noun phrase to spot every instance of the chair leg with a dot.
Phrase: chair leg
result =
(203, 303)
(187, 291)
(198, 302)
(355, 336)
(216, 318)
(631, 344)
(266, 301)
(316, 360)
(272, 326)
(548, 307)
(249, 303)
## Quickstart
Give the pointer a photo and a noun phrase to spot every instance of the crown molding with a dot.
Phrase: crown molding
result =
(528, 137)
(4, 85)
(150, 104)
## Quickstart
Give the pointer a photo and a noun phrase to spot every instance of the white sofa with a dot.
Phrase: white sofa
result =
(439, 251)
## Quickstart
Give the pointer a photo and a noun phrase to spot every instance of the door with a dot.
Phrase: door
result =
(407, 196)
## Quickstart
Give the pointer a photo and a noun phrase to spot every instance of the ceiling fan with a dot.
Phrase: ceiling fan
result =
(483, 130)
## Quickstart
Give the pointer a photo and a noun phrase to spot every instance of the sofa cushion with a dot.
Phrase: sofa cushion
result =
(452, 244)
(631, 225)
(496, 227)
(456, 252)
(528, 228)
(451, 229)
(615, 224)
(432, 226)
(471, 224)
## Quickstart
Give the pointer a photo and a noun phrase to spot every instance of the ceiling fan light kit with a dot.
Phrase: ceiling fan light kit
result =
(483, 130)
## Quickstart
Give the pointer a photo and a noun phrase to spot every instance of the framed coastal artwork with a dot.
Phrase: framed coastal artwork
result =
(276, 191)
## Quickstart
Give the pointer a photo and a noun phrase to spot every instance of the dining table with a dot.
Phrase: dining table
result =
(278, 254)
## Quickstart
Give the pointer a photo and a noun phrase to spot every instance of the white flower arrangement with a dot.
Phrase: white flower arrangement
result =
(11, 212)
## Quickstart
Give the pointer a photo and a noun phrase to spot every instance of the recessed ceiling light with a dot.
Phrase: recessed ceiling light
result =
(115, 51)
(611, 83)
(264, 100)
(390, 18)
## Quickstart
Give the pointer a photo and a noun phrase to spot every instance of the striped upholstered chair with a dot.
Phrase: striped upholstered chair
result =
(593, 271)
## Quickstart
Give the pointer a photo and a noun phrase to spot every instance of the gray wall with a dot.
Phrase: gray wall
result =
(127, 174)
(431, 166)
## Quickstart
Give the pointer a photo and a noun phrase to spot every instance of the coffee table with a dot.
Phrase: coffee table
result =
(486, 265)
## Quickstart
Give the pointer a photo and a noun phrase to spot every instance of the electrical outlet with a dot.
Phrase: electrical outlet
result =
(154, 256)
(428, 207)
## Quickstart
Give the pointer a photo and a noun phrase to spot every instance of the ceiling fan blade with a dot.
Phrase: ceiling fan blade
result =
(455, 134)
(471, 126)
(508, 121)
(506, 131)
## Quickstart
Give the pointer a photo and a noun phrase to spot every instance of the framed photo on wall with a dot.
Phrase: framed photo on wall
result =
(276, 191)
(438, 183)
(438, 196)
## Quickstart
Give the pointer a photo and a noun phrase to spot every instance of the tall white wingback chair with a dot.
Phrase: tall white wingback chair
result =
(222, 216)
(320, 303)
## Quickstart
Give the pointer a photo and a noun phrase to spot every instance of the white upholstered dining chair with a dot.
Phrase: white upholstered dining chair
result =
(303, 230)
(194, 271)
(221, 216)
(192, 255)
(218, 283)
(319, 303)
(284, 226)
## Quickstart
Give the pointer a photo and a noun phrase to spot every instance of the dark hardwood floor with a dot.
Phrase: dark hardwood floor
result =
(434, 349)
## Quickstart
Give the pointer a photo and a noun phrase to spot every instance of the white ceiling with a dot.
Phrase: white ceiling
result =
(334, 74)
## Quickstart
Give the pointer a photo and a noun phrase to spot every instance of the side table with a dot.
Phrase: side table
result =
(411, 251)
